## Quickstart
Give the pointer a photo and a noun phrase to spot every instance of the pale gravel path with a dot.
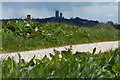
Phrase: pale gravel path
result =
(100, 46)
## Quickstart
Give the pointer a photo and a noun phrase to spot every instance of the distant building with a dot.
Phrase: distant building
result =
(60, 15)
(110, 22)
(28, 17)
(57, 14)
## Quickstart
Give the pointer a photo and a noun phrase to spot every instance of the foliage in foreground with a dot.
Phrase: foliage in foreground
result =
(26, 35)
(78, 65)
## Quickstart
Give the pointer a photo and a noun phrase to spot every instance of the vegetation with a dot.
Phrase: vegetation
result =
(69, 65)
(0, 70)
(117, 26)
(27, 35)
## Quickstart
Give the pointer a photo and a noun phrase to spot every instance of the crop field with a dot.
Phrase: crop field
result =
(78, 65)
(30, 35)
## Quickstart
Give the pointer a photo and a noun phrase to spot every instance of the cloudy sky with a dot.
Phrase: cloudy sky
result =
(101, 11)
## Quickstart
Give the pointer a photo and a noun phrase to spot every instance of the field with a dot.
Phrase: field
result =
(29, 35)
(78, 65)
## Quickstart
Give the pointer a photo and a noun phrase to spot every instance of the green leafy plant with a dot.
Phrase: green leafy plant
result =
(69, 65)
(28, 35)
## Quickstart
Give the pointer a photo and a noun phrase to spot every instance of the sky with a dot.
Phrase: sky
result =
(60, 0)
(101, 11)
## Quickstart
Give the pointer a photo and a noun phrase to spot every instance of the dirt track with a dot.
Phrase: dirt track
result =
(100, 46)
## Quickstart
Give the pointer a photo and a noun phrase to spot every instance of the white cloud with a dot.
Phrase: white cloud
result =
(9, 13)
(60, 0)
(92, 12)
(111, 15)
(35, 12)
(0, 10)
(95, 12)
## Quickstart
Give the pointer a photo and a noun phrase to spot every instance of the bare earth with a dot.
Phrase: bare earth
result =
(39, 54)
